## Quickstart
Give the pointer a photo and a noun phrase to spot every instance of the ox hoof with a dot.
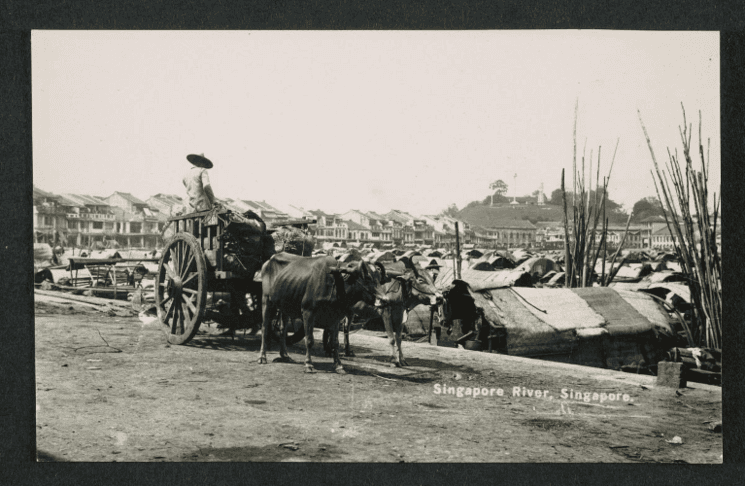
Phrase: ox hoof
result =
(404, 363)
(340, 370)
(309, 369)
(349, 353)
(283, 359)
(395, 364)
(262, 360)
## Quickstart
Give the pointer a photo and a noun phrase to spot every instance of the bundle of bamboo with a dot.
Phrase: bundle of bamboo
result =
(581, 251)
(694, 232)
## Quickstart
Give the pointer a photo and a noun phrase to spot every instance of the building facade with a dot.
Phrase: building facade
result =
(93, 221)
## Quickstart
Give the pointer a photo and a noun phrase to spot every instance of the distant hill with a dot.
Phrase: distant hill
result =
(490, 215)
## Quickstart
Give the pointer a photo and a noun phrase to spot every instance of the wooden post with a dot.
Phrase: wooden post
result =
(455, 266)
(456, 270)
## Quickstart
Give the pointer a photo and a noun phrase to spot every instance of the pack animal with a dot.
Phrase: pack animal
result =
(320, 290)
(405, 286)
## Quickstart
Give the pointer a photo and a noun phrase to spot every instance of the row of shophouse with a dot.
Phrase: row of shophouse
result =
(650, 233)
(550, 235)
(659, 237)
(83, 220)
(122, 219)
(398, 228)
(395, 228)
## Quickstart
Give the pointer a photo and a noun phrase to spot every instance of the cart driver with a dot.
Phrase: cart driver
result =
(197, 183)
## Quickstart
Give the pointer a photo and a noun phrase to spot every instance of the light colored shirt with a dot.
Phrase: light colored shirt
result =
(198, 189)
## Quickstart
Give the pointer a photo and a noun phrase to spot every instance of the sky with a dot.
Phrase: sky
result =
(368, 120)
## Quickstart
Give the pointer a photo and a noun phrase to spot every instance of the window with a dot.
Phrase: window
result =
(72, 225)
(98, 225)
(48, 221)
(135, 227)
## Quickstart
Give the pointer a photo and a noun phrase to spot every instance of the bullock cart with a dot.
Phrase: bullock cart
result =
(196, 282)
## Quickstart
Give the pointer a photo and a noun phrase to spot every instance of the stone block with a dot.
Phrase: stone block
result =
(671, 374)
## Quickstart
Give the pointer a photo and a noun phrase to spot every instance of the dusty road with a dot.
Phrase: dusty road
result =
(110, 389)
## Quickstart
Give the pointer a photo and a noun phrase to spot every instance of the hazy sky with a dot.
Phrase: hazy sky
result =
(369, 120)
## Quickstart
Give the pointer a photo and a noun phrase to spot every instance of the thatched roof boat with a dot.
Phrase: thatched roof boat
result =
(594, 326)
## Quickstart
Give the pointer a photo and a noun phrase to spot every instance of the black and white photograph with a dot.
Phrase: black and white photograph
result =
(377, 246)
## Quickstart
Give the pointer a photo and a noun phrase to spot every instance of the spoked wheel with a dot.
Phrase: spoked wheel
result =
(181, 291)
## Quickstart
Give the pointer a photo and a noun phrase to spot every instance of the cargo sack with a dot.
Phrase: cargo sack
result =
(244, 241)
(293, 240)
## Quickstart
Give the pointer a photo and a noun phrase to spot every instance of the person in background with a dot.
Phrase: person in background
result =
(57, 253)
(197, 183)
(434, 269)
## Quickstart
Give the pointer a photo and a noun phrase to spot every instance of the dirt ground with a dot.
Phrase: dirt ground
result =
(110, 388)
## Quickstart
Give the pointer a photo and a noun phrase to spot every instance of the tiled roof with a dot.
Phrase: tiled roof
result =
(653, 219)
(664, 231)
(129, 197)
(318, 213)
(39, 193)
(64, 201)
(355, 226)
(399, 216)
(262, 205)
(86, 200)
(169, 198)
(229, 204)
(379, 217)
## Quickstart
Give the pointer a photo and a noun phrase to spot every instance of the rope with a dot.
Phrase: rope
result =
(526, 300)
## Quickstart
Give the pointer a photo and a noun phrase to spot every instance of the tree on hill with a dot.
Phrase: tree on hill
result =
(499, 187)
(556, 197)
(494, 199)
(610, 205)
(451, 211)
(613, 210)
(646, 207)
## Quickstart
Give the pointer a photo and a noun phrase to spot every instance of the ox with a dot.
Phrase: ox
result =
(404, 286)
(320, 290)
(402, 293)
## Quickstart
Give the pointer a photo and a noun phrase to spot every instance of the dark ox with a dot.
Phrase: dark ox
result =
(319, 290)
(404, 286)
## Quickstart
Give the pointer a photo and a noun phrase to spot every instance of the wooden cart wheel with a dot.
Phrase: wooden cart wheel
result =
(181, 290)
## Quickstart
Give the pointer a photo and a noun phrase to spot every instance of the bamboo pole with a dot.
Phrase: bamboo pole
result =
(574, 159)
(694, 235)
(613, 273)
(605, 252)
(603, 233)
(582, 249)
(567, 271)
